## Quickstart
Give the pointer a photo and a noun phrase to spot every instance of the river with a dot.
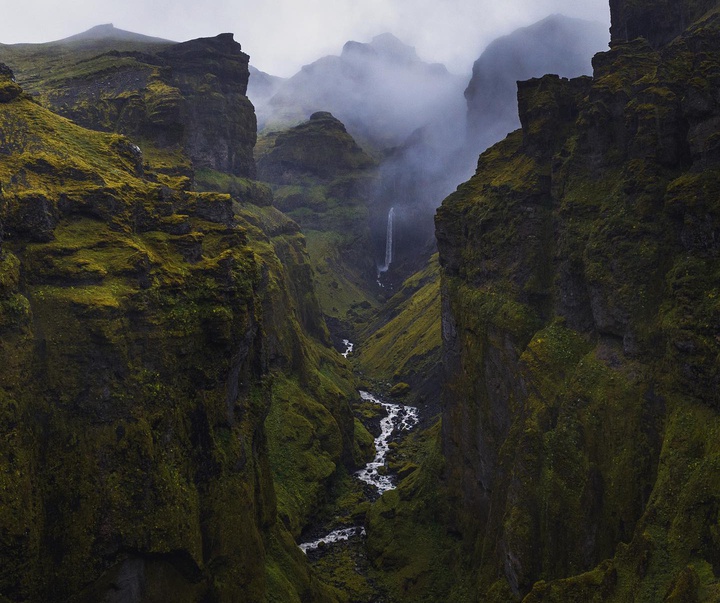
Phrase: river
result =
(399, 418)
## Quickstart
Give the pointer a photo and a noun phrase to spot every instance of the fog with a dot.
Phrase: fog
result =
(400, 95)
(380, 90)
(426, 125)
(283, 35)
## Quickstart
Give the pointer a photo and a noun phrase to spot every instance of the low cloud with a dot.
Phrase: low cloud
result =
(283, 35)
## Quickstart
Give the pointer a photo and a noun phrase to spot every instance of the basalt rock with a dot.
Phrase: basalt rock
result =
(581, 329)
(557, 44)
(657, 22)
(190, 95)
(143, 333)
(9, 89)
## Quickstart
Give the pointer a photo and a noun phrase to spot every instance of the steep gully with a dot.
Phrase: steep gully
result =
(399, 418)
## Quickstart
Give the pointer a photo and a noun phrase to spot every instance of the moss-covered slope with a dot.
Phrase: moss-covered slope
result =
(185, 99)
(401, 346)
(323, 180)
(581, 331)
(146, 334)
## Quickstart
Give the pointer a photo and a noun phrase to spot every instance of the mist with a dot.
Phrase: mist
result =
(283, 35)
(425, 125)
(402, 97)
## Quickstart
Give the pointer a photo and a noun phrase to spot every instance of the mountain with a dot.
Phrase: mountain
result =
(557, 44)
(175, 417)
(382, 91)
(108, 32)
(322, 179)
(581, 336)
(261, 87)
(172, 410)
(169, 97)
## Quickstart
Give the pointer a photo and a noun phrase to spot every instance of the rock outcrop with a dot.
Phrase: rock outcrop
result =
(581, 328)
(657, 22)
(319, 148)
(189, 96)
(557, 44)
(324, 180)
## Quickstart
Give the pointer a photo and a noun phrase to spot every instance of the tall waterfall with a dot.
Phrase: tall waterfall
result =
(389, 241)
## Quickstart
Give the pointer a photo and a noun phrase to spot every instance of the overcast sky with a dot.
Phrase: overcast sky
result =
(282, 35)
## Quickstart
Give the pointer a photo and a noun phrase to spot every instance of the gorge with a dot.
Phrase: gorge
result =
(183, 416)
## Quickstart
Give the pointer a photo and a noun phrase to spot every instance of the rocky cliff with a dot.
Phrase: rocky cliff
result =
(557, 44)
(187, 97)
(160, 350)
(323, 180)
(581, 328)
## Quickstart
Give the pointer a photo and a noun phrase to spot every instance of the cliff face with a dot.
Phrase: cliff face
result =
(582, 330)
(657, 22)
(190, 96)
(143, 334)
(323, 180)
(556, 44)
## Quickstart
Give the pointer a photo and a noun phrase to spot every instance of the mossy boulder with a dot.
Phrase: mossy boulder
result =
(9, 89)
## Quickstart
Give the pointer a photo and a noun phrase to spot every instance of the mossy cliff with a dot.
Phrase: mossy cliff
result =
(146, 335)
(187, 98)
(581, 331)
(323, 180)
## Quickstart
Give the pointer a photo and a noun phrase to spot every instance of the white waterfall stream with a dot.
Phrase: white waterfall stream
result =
(388, 241)
(399, 418)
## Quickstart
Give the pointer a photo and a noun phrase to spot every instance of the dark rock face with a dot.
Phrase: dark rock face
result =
(219, 121)
(557, 45)
(581, 331)
(9, 90)
(190, 95)
(657, 22)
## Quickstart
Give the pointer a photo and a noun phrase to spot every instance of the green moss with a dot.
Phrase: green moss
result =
(400, 390)
(241, 189)
(407, 346)
(9, 273)
(134, 348)
(417, 559)
(302, 459)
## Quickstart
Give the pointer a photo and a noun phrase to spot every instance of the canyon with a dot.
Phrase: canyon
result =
(183, 414)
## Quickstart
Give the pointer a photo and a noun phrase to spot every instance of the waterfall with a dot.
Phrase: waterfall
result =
(389, 241)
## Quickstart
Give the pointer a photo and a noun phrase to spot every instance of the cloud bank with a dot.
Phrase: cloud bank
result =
(283, 35)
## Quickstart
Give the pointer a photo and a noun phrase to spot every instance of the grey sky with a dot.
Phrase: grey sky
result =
(282, 35)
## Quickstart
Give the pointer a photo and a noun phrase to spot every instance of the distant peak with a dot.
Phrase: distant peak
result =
(108, 31)
(322, 115)
(386, 45)
(103, 29)
(388, 40)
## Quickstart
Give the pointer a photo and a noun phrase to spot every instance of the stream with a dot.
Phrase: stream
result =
(399, 418)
